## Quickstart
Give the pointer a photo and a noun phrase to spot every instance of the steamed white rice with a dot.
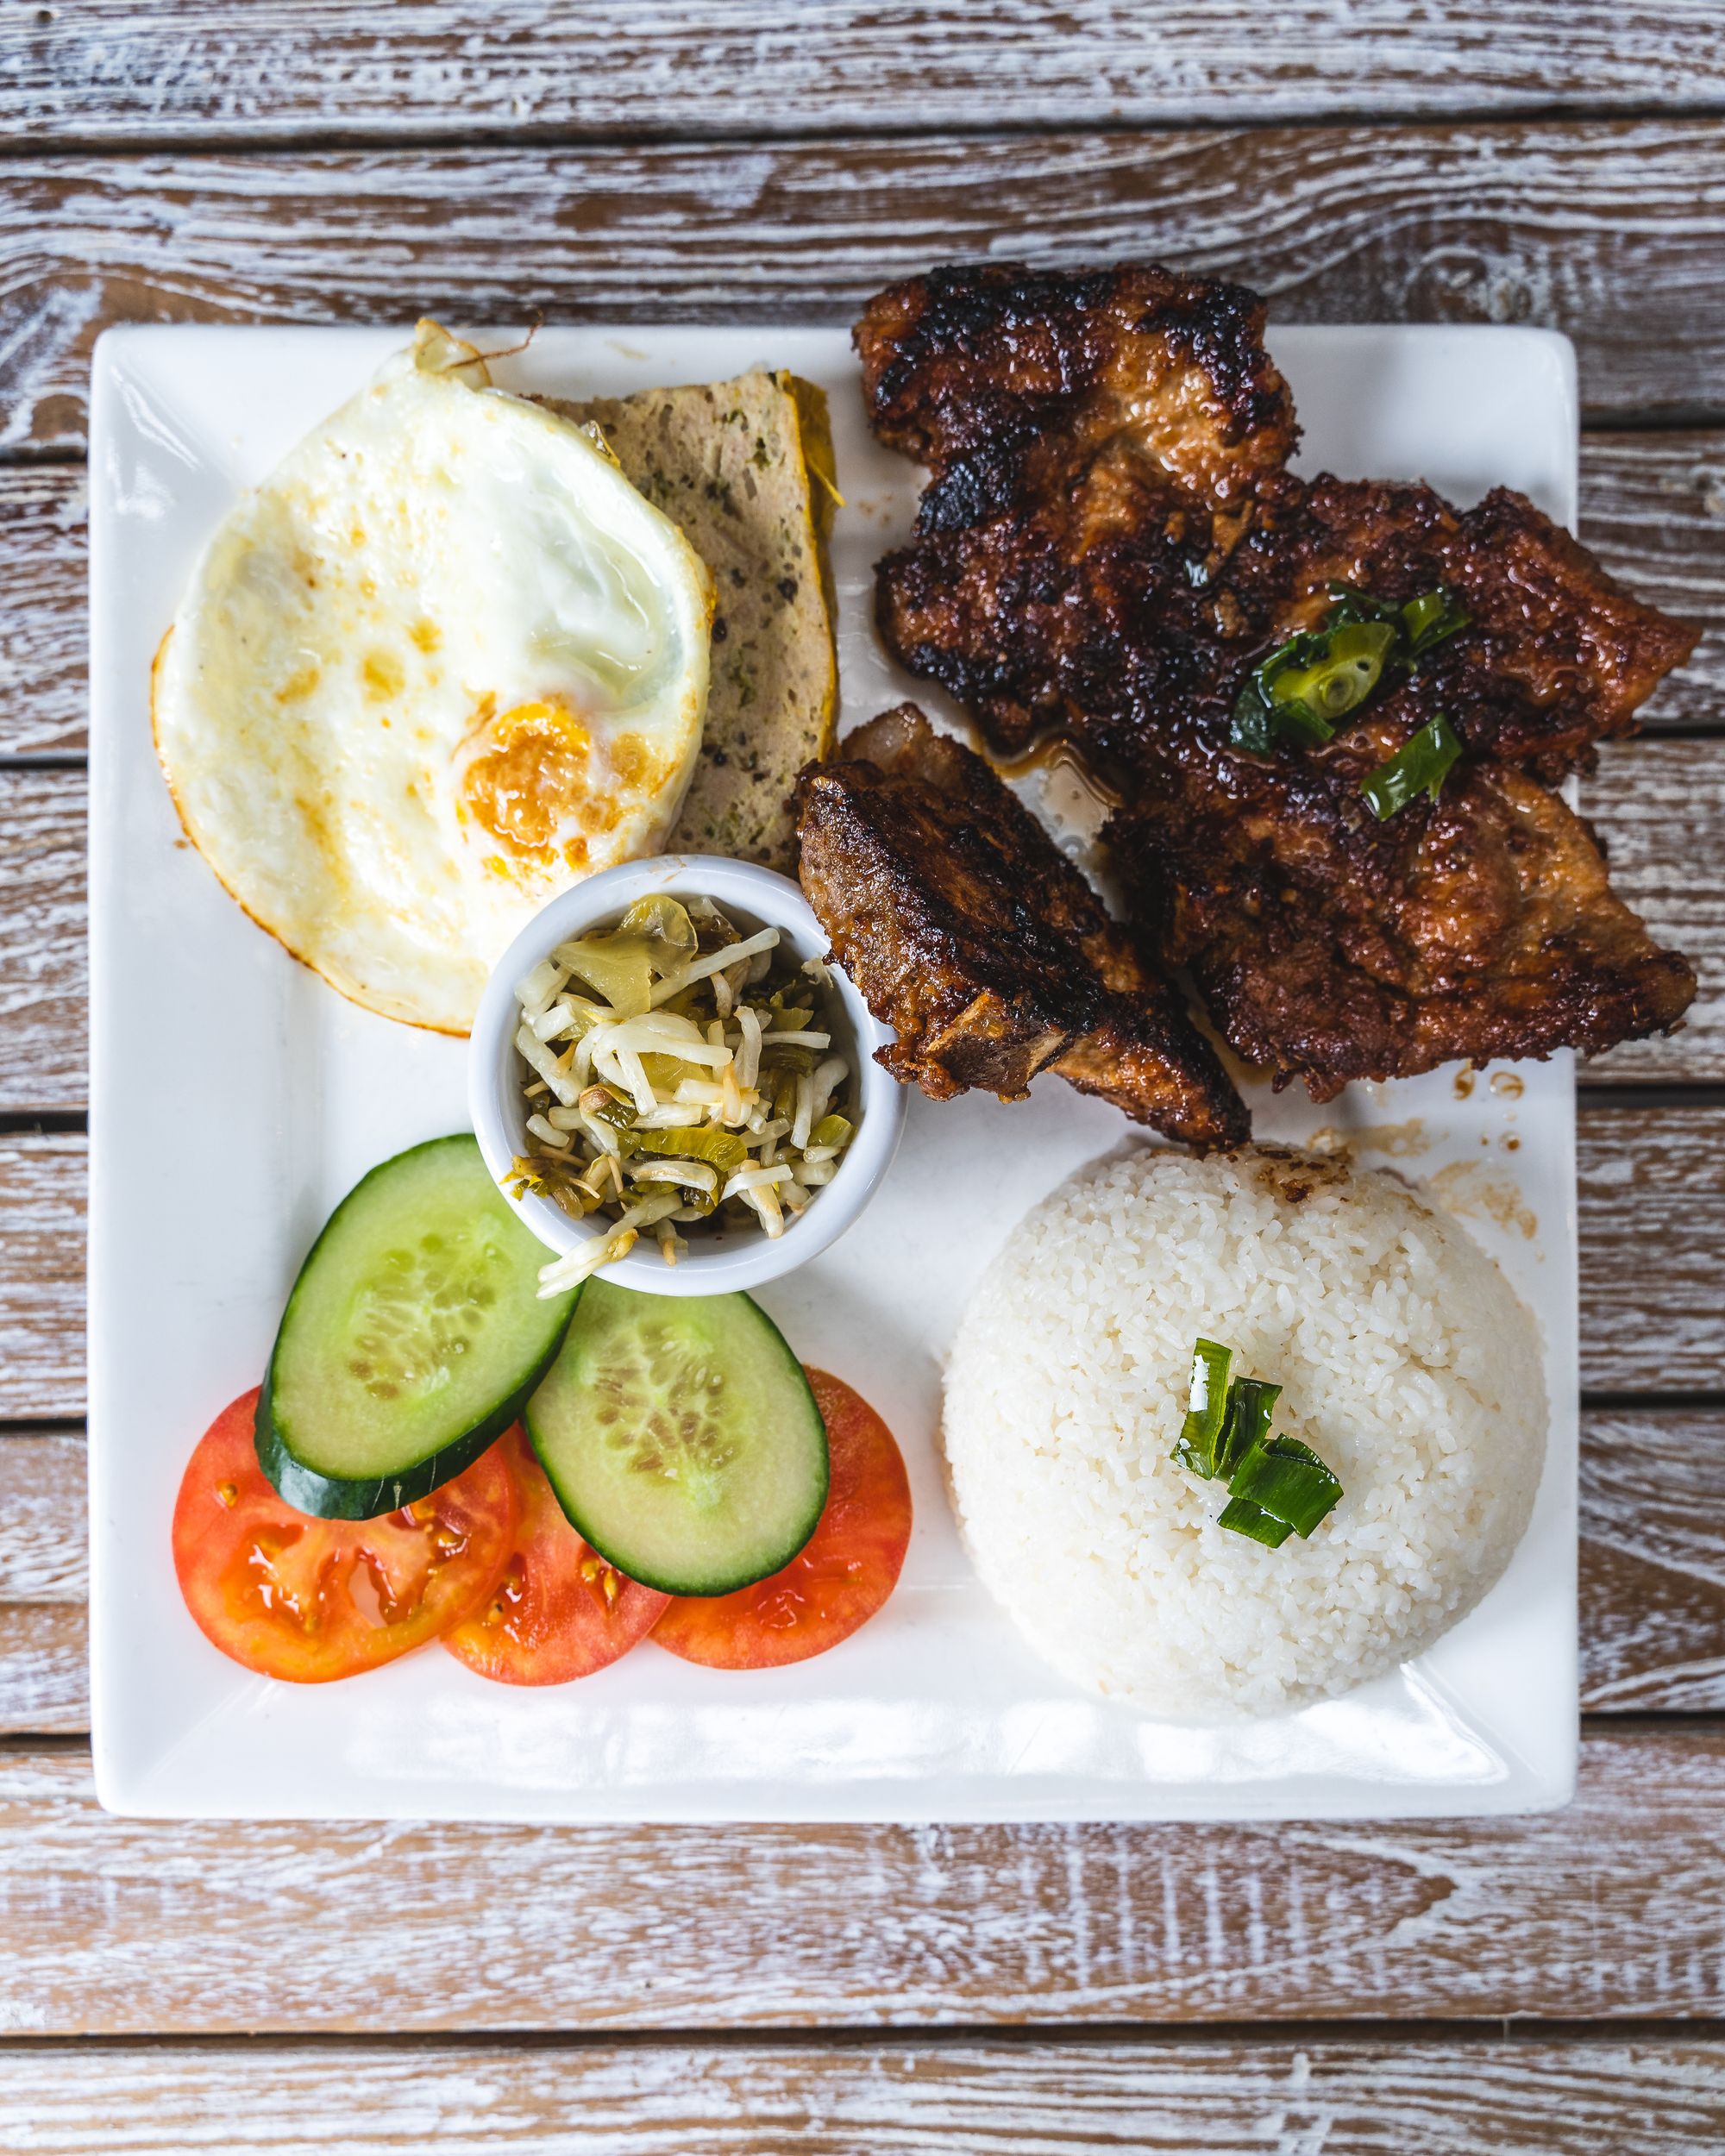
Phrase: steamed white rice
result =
(1406, 1362)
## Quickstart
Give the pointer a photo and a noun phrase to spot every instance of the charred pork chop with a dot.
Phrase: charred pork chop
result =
(967, 930)
(1111, 549)
(1331, 946)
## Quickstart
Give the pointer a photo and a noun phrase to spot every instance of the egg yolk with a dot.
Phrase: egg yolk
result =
(529, 780)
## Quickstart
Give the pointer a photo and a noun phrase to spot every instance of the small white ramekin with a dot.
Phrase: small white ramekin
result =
(723, 1259)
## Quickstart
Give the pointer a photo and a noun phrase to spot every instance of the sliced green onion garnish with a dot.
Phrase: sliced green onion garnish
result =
(1304, 687)
(1337, 681)
(1288, 1481)
(1250, 727)
(1419, 766)
(1251, 1405)
(1349, 604)
(1276, 1486)
(1428, 619)
(1299, 722)
(832, 1129)
(1206, 1411)
(1247, 1518)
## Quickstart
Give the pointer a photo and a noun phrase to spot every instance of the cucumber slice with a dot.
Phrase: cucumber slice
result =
(411, 1340)
(682, 1440)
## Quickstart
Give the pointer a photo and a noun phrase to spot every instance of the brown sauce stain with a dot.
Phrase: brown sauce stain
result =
(1508, 1084)
(1400, 1141)
(1464, 1081)
(1292, 1177)
(1470, 1188)
(1059, 765)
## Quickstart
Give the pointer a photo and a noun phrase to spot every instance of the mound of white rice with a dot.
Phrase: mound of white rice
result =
(1406, 1362)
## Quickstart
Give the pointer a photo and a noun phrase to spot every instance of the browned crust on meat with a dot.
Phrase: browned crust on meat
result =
(1109, 544)
(966, 929)
(1332, 947)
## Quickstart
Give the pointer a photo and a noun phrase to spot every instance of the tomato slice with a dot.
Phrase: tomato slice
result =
(310, 1600)
(841, 1576)
(560, 1611)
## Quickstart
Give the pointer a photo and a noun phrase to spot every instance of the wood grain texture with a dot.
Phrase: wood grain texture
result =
(42, 1276)
(718, 67)
(1614, 1907)
(1653, 1562)
(44, 571)
(43, 1017)
(1613, 230)
(1528, 2097)
(1658, 807)
(42, 1518)
(1653, 1570)
(1652, 1203)
(44, 1670)
(44, 1580)
(1652, 508)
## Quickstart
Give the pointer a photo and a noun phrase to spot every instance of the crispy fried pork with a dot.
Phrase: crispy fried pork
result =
(1110, 544)
(967, 930)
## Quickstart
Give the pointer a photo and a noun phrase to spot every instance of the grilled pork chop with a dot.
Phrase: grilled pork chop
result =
(1108, 546)
(1331, 946)
(967, 928)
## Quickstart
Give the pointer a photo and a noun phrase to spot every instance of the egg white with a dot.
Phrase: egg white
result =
(444, 662)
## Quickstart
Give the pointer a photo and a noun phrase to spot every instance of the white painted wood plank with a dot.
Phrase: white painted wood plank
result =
(1653, 1562)
(44, 1670)
(42, 1275)
(1652, 1203)
(43, 978)
(1615, 1907)
(42, 1525)
(195, 68)
(1614, 231)
(43, 583)
(1656, 806)
(1652, 508)
(1527, 2098)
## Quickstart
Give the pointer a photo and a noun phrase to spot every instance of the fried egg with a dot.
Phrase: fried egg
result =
(444, 662)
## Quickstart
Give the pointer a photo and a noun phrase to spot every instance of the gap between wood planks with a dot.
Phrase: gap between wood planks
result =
(1149, 2037)
(341, 142)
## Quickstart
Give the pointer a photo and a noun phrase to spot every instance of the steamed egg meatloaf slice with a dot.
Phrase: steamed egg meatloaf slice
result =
(445, 661)
(745, 468)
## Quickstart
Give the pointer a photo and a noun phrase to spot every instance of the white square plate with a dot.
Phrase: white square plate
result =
(235, 1098)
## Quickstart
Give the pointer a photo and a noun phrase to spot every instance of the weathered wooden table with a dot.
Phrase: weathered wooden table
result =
(1552, 1983)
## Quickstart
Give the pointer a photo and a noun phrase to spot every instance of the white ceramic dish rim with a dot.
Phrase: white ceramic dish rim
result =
(761, 897)
(934, 1712)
